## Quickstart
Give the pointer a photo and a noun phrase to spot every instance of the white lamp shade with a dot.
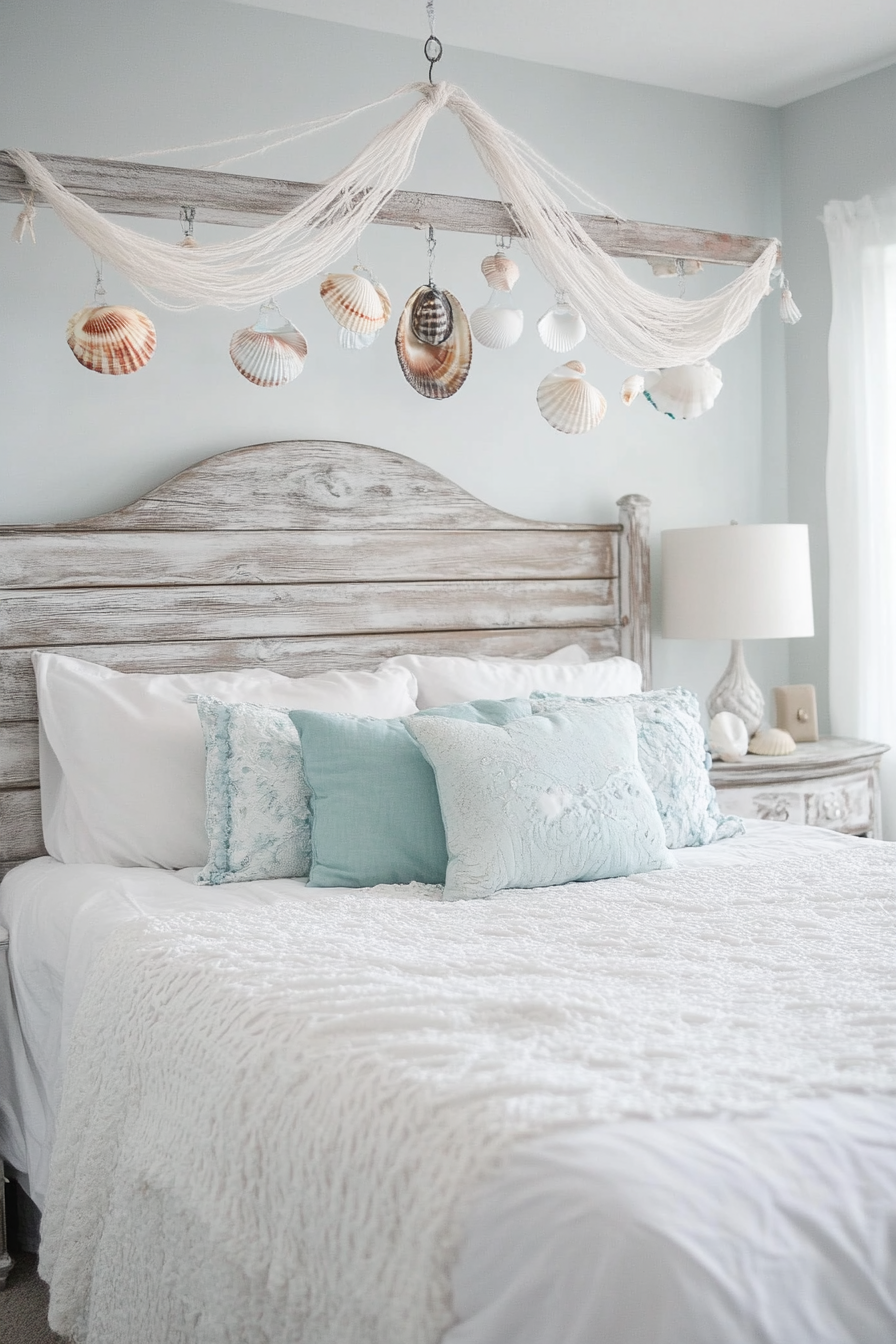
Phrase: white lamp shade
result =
(734, 582)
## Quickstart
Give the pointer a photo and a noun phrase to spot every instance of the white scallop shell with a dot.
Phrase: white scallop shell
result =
(728, 736)
(561, 328)
(788, 309)
(106, 338)
(631, 388)
(500, 272)
(353, 340)
(567, 402)
(684, 392)
(356, 303)
(270, 353)
(497, 328)
(771, 742)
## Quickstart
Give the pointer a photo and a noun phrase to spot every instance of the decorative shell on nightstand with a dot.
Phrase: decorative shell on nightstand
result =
(771, 742)
(728, 737)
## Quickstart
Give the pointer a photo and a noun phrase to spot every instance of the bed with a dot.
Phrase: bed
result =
(654, 1109)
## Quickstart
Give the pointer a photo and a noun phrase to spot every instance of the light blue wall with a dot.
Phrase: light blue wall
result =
(109, 77)
(838, 145)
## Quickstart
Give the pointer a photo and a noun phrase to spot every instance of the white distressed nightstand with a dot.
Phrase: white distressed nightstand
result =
(5, 1007)
(833, 783)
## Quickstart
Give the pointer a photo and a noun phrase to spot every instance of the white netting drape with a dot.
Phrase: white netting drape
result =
(641, 327)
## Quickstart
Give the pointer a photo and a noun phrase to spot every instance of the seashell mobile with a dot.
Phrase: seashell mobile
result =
(670, 340)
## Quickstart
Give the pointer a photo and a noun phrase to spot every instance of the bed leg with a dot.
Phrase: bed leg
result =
(6, 1260)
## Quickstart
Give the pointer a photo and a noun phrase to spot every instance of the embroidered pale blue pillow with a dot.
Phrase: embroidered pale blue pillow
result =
(257, 815)
(672, 755)
(375, 808)
(555, 798)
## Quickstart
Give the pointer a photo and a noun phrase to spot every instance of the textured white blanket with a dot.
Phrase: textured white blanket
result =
(273, 1124)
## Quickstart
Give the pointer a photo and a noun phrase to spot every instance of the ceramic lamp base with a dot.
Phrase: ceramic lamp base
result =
(736, 692)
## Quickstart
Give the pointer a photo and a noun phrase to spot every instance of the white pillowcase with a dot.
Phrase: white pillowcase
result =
(451, 681)
(122, 755)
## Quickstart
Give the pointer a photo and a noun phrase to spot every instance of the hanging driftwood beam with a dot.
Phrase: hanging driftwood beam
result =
(153, 191)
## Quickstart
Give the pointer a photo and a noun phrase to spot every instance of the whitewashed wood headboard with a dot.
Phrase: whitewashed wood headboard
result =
(301, 556)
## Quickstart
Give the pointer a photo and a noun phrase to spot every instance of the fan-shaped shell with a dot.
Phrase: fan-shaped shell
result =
(631, 388)
(111, 339)
(270, 353)
(771, 742)
(435, 371)
(728, 736)
(500, 272)
(497, 328)
(353, 340)
(568, 403)
(356, 303)
(684, 392)
(432, 319)
(561, 328)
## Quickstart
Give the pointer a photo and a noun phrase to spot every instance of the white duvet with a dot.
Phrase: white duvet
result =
(377, 1090)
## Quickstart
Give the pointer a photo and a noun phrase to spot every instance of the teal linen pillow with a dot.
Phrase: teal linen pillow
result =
(374, 803)
(672, 755)
(559, 797)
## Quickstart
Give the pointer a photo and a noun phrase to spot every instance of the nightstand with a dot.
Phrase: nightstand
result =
(833, 783)
(5, 1007)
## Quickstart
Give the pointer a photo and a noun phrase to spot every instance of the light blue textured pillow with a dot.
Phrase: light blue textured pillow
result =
(672, 755)
(257, 815)
(375, 809)
(556, 798)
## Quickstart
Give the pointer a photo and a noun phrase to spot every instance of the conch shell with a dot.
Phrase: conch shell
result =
(435, 371)
(561, 328)
(111, 339)
(357, 303)
(500, 272)
(270, 353)
(568, 403)
(728, 736)
(432, 319)
(771, 742)
(632, 388)
(683, 392)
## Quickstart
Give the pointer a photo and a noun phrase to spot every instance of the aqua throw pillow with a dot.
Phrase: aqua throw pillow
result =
(374, 803)
(672, 755)
(559, 797)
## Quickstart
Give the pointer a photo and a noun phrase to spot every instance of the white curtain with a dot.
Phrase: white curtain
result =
(861, 477)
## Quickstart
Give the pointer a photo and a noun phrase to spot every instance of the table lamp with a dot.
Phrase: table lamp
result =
(737, 583)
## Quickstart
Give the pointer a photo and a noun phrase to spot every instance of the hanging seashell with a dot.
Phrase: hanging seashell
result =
(432, 320)
(631, 388)
(356, 303)
(685, 392)
(497, 328)
(188, 241)
(500, 272)
(787, 307)
(435, 371)
(561, 328)
(270, 353)
(771, 742)
(111, 339)
(353, 340)
(728, 736)
(568, 403)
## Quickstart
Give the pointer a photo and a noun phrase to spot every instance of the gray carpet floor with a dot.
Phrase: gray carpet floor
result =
(23, 1306)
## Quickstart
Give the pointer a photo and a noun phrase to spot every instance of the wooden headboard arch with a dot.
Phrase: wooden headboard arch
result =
(302, 556)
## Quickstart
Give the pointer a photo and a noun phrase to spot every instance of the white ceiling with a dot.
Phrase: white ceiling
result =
(757, 51)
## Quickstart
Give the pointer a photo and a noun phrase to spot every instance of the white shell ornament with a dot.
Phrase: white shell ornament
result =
(684, 392)
(357, 303)
(435, 371)
(497, 328)
(500, 272)
(561, 328)
(771, 742)
(567, 402)
(270, 353)
(728, 736)
(353, 340)
(107, 338)
(632, 388)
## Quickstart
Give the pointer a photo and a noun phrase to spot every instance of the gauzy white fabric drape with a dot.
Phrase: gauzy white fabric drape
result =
(861, 477)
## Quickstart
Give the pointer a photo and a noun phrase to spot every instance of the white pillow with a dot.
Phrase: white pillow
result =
(570, 653)
(122, 755)
(450, 681)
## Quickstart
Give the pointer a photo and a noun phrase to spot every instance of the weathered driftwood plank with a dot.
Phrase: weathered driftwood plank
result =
(37, 617)
(309, 484)
(21, 834)
(634, 582)
(154, 191)
(57, 559)
(295, 657)
(18, 754)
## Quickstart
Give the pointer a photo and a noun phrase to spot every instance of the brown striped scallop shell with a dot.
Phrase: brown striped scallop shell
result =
(500, 272)
(435, 371)
(111, 339)
(270, 353)
(357, 303)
